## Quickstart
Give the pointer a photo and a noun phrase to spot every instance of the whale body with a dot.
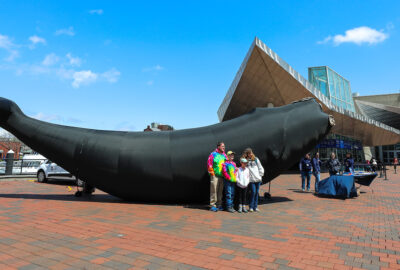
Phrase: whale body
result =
(171, 166)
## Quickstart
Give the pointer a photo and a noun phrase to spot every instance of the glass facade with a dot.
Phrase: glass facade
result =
(333, 86)
(340, 145)
(389, 152)
(338, 90)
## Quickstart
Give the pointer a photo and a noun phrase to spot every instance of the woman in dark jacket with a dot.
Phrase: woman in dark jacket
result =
(333, 165)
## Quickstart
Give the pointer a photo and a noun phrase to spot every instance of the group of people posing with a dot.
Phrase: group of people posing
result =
(310, 166)
(226, 178)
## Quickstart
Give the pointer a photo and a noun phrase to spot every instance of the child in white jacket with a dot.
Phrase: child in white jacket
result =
(242, 181)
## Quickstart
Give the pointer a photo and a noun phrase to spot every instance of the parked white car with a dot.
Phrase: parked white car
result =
(49, 169)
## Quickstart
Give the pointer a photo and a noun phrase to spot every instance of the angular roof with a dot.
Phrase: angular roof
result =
(264, 78)
(384, 109)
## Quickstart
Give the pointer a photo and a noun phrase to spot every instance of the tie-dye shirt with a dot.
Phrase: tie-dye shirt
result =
(215, 161)
(229, 170)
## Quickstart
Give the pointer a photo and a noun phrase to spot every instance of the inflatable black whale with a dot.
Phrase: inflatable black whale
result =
(171, 166)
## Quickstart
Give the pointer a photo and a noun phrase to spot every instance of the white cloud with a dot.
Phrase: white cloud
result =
(50, 59)
(96, 11)
(36, 40)
(66, 31)
(154, 68)
(13, 54)
(46, 117)
(4, 133)
(37, 70)
(56, 118)
(7, 44)
(358, 35)
(325, 40)
(111, 75)
(150, 82)
(125, 126)
(389, 26)
(83, 77)
(74, 61)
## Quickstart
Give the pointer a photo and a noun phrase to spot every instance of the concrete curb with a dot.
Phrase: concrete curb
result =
(7, 178)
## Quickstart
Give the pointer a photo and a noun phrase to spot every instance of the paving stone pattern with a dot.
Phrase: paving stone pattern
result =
(43, 226)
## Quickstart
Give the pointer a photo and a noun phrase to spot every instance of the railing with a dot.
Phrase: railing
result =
(20, 166)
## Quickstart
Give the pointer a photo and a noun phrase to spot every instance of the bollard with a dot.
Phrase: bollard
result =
(9, 162)
(395, 166)
(384, 167)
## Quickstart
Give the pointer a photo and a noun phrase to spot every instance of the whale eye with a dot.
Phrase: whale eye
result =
(331, 121)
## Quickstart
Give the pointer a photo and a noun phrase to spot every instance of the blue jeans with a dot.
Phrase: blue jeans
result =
(254, 187)
(305, 175)
(317, 179)
(229, 193)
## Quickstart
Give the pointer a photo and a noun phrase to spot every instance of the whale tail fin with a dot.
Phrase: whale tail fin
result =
(7, 107)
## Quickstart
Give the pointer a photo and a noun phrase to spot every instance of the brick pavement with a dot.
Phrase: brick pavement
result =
(43, 226)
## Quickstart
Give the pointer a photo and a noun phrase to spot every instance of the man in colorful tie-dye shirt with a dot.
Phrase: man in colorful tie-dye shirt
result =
(214, 166)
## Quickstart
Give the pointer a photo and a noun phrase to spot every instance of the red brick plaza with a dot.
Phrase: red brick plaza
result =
(43, 226)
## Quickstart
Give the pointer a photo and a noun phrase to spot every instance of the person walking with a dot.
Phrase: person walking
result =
(333, 165)
(316, 164)
(349, 163)
(214, 166)
(229, 171)
(243, 180)
(305, 167)
(374, 164)
(256, 171)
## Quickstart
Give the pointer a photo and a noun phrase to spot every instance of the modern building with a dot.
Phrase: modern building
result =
(266, 80)
(336, 88)
(385, 109)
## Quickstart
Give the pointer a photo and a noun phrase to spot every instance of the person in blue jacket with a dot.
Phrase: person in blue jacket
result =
(305, 170)
(349, 163)
(316, 164)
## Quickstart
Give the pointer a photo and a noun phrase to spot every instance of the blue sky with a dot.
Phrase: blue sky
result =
(122, 64)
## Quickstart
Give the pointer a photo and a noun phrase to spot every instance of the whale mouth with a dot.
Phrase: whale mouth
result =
(331, 121)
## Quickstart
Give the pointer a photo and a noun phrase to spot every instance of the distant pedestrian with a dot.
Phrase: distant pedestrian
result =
(305, 167)
(368, 167)
(374, 164)
(214, 166)
(243, 180)
(349, 163)
(229, 171)
(256, 171)
(316, 164)
(333, 165)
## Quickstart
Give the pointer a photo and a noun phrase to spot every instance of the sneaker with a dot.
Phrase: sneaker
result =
(240, 209)
(245, 210)
(231, 210)
(214, 209)
(308, 190)
(220, 208)
(303, 189)
(257, 210)
(251, 210)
